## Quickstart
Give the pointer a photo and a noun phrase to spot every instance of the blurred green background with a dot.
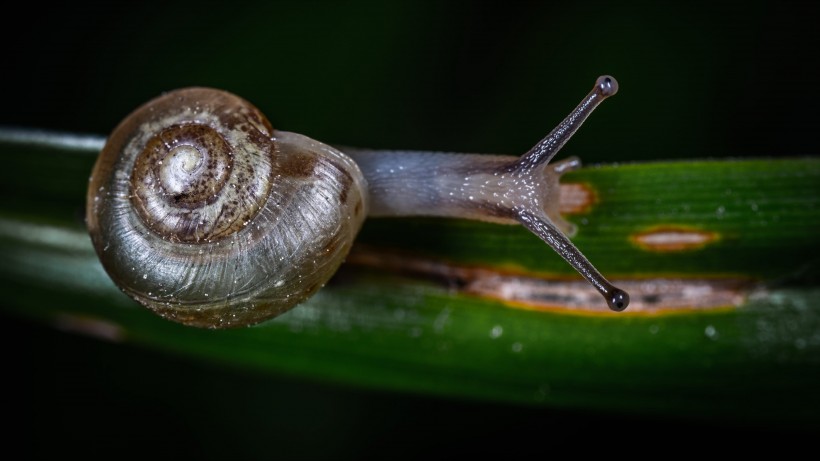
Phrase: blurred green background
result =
(717, 79)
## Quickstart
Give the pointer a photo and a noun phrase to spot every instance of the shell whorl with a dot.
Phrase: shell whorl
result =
(202, 212)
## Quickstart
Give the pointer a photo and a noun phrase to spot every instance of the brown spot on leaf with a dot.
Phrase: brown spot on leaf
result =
(562, 293)
(647, 296)
(576, 198)
(673, 238)
(91, 326)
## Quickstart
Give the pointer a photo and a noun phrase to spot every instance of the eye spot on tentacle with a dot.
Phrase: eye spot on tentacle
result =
(607, 85)
(673, 238)
(618, 300)
(577, 198)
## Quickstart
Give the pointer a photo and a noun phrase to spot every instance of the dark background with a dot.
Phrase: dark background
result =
(697, 78)
(717, 79)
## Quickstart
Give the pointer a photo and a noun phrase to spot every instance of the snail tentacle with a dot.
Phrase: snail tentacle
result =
(545, 222)
(501, 189)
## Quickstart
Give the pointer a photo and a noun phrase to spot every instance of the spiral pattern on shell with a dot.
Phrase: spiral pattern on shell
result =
(202, 212)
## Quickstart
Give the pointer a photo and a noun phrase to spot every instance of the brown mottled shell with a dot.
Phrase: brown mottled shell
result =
(203, 213)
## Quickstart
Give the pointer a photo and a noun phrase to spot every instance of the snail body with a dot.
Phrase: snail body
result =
(205, 214)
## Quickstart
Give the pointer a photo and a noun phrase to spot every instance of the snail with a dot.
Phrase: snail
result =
(202, 212)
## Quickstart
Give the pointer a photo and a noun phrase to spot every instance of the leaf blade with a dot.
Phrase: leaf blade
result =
(392, 331)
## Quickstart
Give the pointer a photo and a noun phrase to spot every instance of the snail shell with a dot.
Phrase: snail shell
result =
(203, 213)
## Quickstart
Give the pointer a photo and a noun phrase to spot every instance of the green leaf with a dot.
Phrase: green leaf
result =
(729, 326)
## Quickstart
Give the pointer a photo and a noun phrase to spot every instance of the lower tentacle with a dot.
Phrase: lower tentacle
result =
(540, 225)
